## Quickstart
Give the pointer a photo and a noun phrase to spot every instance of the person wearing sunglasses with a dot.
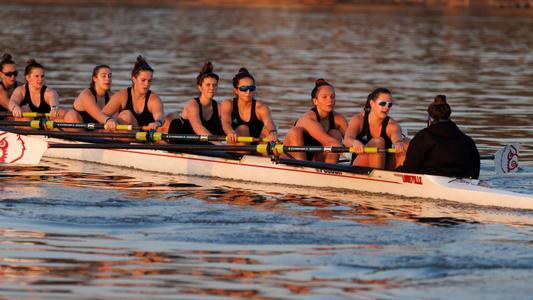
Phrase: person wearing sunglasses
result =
(8, 74)
(442, 148)
(201, 114)
(87, 107)
(34, 96)
(244, 115)
(320, 126)
(136, 105)
(374, 128)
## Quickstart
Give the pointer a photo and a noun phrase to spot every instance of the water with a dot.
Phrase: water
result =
(73, 230)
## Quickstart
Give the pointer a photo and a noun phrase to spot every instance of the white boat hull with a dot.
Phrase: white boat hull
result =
(264, 170)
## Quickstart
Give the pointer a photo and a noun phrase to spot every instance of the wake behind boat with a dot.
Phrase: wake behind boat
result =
(22, 149)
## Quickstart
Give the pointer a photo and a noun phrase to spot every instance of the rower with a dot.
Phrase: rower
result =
(321, 126)
(375, 128)
(34, 96)
(201, 114)
(136, 105)
(244, 115)
(441, 148)
(87, 108)
(8, 74)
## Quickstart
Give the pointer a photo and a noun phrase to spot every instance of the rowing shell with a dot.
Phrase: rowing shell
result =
(283, 171)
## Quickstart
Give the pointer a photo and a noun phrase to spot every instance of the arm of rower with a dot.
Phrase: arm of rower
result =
(264, 115)
(354, 128)
(115, 103)
(313, 127)
(225, 116)
(51, 97)
(395, 132)
(88, 104)
(15, 101)
(155, 106)
(191, 112)
(341, 123)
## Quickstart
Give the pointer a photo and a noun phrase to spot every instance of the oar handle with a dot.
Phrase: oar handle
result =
(25, 114)
(87, 126)
(279, 149)
(175, 137)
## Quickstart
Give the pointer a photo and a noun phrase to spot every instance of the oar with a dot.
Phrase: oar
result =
(139, 136)
(25, 114)
(44, 124)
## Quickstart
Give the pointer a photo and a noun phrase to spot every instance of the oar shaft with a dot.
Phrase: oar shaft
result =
(39, 124)
(26, 114)
(176, 137)
(166, 147)
(283, 149)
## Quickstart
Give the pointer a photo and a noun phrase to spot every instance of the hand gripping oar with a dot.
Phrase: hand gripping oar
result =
(44, 124)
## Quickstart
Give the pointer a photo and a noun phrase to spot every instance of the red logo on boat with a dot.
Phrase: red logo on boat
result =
(412, 179)
(12, 147)
(511, 154)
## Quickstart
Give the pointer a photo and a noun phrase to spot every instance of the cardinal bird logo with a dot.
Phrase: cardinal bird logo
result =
(12, 147)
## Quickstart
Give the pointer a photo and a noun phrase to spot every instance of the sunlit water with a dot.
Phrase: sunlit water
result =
(74, 230)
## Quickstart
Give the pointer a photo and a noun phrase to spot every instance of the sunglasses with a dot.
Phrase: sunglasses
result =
(245, 88)
(9, 74)
(385, 103)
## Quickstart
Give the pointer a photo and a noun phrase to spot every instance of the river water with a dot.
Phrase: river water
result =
(71, 230)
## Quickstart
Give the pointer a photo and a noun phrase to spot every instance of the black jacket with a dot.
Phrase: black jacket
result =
(442, 149)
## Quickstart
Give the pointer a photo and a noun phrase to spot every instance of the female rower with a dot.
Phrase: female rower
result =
(374, 128)
(136, 105)
(441, 148)
(8, 74)
(87, 108)
(201, 114)
(244, 115)
(321, 126)
(34, 96)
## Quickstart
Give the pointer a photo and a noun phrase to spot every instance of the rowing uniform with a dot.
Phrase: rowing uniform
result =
(87, 118)
(442, 149)
(214, 126)
(254, 124)
(311, 141)
(365, 136)
(9, 92)
(145, 117)
(43, 106)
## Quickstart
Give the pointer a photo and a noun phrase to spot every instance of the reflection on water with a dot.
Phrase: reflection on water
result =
(73, 230)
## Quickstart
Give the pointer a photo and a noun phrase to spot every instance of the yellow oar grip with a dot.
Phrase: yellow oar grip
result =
(375, 150)
(35, 124)
(371, 150)
(49, 125)
(244, 139)
(32, 114)
(124, 127)
(262, 148)
(142, 136)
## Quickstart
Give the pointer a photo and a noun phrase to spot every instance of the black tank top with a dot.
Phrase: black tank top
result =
(145, 117)
(87, 118)
(8, 93)
(364, 136)
(253, 124)
(213, 124)
(43, 106)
